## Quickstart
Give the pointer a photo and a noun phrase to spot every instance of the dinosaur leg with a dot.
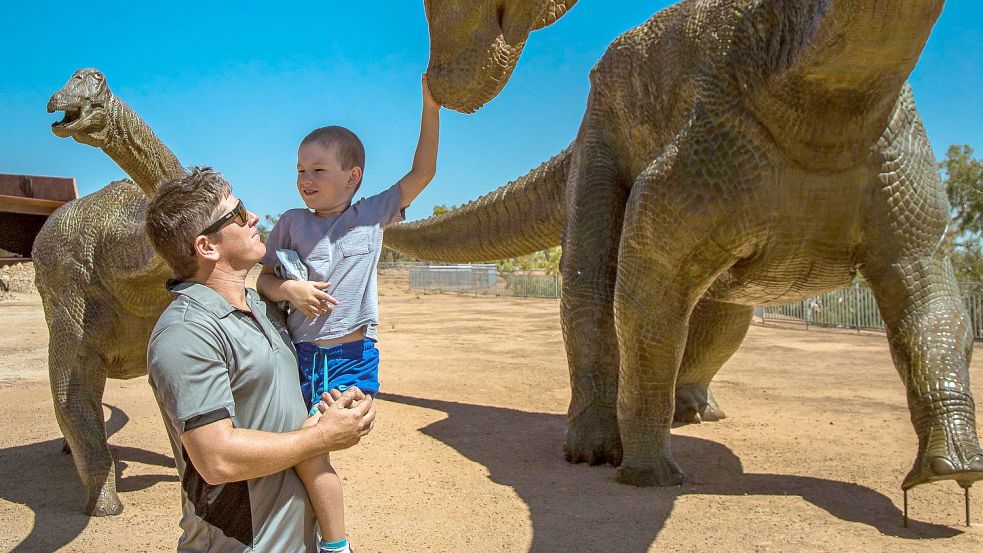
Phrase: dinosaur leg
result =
(680, 233)
(595, 209)
(931, 342)
(78, 378)
(928, 329)
(716, 330)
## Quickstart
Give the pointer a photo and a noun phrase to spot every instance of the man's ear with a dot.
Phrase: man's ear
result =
(355, 176)
(205, 249)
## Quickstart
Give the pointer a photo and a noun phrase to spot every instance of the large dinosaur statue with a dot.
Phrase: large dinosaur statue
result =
(100, 282)
(733, 153)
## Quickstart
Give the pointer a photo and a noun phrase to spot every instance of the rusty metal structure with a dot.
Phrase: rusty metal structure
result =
(26, 202)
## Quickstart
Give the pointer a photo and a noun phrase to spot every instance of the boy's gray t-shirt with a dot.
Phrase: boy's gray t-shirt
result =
(341, 249)
(208, 361)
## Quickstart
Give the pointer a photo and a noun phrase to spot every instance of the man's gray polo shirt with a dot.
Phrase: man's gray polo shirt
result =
(209, 361)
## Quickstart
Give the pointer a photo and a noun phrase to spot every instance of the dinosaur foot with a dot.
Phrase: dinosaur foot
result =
(106, 503)
(948, 450)
(664, 472)
(696, 404)
(592, 438)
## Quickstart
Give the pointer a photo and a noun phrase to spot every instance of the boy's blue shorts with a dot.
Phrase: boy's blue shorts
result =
(340, 366)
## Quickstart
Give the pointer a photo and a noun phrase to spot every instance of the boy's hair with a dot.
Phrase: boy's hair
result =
(179, 211)
(347, 147)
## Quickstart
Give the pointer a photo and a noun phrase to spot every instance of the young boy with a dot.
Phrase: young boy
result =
(333, 323)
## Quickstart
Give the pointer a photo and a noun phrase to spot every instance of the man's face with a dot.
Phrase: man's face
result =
(323, 185)
(238, 244)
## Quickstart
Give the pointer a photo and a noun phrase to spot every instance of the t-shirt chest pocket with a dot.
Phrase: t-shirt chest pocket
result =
(358, 241)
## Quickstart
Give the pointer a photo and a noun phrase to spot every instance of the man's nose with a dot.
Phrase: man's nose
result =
(253, 219)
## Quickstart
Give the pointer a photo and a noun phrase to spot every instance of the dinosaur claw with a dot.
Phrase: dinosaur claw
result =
(664, 472)
(941, 466)
(695, 405)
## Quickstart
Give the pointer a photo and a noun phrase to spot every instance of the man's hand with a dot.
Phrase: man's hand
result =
(343, 424)
(309, 297)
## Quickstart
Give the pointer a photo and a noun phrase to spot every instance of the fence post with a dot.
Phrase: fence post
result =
(856, 306)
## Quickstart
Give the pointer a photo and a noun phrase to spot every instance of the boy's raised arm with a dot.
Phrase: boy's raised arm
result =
(425, 160)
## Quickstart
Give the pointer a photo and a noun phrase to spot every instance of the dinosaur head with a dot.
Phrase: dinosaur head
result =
(475, 44)
(83, 99)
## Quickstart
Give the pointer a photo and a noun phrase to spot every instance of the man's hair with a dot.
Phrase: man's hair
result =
(347, 147)
(179, 211)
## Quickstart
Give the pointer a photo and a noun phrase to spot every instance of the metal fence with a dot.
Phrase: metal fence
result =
(482, 280)
(453, 278)
(851, 307)
(854, 307)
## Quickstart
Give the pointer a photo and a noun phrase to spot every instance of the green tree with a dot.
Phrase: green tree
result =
(963, 177)
(547, 261)
(441, 209)
(266, 226)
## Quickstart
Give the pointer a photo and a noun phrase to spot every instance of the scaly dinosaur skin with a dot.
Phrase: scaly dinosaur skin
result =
(737, 153)
(475, 44)
(101, 284)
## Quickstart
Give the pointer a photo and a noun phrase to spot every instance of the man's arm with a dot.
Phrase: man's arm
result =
(222, 453)
(425, 160)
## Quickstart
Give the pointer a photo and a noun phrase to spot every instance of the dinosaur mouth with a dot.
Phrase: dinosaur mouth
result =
(76, 118)
(468, 82)
(71, 116)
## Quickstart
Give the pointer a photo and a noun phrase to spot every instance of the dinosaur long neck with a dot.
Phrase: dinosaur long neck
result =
(137, 150)
(863, 44)
(839, 63)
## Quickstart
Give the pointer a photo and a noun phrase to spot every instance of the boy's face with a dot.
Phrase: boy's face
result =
(324, 186)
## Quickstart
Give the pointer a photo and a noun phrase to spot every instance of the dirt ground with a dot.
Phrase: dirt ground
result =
(467, 451)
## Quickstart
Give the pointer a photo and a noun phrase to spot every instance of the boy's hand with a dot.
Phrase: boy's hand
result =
(428, 101)
(342, 425)
(309, 297)
(330, 398)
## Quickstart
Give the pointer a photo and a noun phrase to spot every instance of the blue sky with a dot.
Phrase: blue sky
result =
(236, 86)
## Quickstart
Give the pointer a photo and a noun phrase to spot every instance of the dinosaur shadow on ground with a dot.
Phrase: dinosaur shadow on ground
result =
(581, 508)
(42, 477)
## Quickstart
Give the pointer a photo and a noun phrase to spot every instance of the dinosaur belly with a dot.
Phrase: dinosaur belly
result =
(808, 242)
(777, 279)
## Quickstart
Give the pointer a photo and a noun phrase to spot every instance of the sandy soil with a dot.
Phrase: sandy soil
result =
(467, 452)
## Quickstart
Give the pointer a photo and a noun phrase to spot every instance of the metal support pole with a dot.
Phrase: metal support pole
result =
(966, 494)
(905, 508)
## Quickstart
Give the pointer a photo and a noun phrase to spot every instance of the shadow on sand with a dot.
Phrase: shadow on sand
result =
(579, 508)
(43, 478)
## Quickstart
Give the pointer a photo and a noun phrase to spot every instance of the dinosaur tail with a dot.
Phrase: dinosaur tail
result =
(524, 216)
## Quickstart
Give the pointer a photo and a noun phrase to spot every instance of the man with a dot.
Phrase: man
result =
(225, 378)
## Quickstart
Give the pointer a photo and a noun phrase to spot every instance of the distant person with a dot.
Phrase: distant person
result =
(225, 377)
(322, 259)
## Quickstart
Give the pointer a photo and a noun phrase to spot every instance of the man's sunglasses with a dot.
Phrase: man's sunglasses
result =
(239, 211)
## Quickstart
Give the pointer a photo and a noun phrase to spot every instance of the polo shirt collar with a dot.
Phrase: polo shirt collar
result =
(204, 296)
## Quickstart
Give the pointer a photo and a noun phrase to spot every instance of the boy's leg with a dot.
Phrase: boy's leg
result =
(325, 492)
